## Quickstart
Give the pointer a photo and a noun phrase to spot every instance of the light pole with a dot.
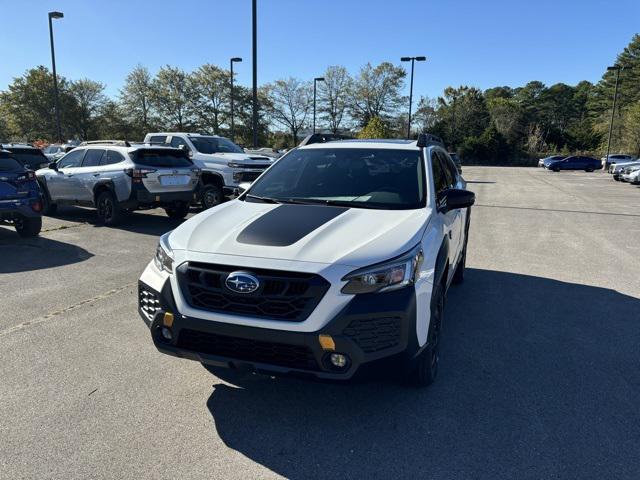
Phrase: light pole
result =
(315, 80)
(412, 60)
(53, 15)
(254, 122)
(617, 69)
(231, 62)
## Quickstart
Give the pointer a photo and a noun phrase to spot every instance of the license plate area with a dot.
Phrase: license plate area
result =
(173, 180)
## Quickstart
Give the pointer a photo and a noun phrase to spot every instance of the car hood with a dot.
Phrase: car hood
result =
(308, 233)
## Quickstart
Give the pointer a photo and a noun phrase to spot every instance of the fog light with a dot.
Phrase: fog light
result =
(166, 333)
(339, 360)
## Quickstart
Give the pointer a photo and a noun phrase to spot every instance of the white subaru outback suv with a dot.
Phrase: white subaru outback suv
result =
(339, 255)
(224, 164)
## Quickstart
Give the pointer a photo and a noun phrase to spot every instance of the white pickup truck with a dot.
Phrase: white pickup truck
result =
(224, 164)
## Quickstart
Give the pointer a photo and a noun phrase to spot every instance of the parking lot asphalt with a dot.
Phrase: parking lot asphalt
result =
(540, 372)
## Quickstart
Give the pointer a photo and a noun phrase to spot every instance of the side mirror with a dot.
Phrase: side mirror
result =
(53, 166)
(453, 199)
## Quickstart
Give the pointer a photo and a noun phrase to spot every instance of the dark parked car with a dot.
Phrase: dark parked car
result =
(32, 158)
(20, 201)
(575, 162)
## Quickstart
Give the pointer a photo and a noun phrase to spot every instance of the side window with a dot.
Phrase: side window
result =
(450, 179)
(93, 157)
(112, 157)
(158, 139)
(451, 167)
(439, 178)
(72, 159)
(177, 142)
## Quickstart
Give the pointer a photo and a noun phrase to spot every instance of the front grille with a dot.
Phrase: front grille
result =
(287, 296)
(284, 355)
(248, 176)
(375, 334)
(148, 301)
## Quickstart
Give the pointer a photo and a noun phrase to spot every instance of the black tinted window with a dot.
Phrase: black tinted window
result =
(215, 145)
(72, 159)
(162, 158)
(158, 139)
(29, 157)
(451, 168)
(177, 142)
(439, 178)
(355, 177)
(8, 164)
(93, 158)
(112, 157)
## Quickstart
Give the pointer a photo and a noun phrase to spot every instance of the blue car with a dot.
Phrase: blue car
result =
(20, 200)
(575, 162)
(543, 162)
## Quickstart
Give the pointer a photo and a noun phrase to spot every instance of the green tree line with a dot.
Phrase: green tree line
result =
(498, 125)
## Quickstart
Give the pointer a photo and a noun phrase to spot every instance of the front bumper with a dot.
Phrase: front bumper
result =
(370, 328)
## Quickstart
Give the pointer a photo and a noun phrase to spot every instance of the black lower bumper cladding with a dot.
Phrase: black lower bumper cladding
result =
(370, 328)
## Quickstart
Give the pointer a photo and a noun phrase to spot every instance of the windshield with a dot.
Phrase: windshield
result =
(53, 149)
(8, 164)
(162, 158)
(355, 177)
(215, 145)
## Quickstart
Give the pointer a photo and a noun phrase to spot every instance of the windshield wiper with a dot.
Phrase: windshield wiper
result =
(263, 199)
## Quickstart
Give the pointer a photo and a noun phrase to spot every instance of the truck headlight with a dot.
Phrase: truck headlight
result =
(235, 165)
(164, 255)
(383, 277)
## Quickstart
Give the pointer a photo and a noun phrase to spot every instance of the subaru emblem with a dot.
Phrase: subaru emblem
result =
(242, 282)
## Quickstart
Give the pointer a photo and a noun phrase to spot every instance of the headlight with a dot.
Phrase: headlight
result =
(164, 255)
(383, 277)
(235, 165)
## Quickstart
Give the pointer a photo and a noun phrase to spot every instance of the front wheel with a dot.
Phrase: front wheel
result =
(423, 370)
(48, 207)
(211, 195)
(177, 211)
(28, 226)
(109, 211)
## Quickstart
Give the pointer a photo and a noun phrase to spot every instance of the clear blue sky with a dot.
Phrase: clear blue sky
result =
(480, 43)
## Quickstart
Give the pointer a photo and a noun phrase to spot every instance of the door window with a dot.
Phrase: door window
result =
(93, 157)
(439, 178)
(158, 139)
(72, 159)
(177, 142)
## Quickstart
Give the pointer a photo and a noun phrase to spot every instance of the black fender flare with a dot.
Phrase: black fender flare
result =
(206, 178)
(102, 185)
(442, 260)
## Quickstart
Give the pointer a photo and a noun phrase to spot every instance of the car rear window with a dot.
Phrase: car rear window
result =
(28, 156)
(162, 158)
(8, 164)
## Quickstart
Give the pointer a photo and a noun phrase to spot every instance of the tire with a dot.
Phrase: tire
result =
(211, 195)
(48, 208)
(589, 170)
(556, 170)
(108, 210)
(178, 211)
(28, 226)
(423, 370)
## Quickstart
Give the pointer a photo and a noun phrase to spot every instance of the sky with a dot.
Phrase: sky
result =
(467, 42)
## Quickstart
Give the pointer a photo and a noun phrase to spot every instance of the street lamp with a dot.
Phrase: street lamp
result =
(231, 62)
(617, 69)
(315, 80)
(412, 60)
(254, 122)
(53, 15)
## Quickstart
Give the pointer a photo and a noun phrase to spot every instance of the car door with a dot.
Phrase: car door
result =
(60, 182)
(449, 218)
(455, 216)
(88, 175)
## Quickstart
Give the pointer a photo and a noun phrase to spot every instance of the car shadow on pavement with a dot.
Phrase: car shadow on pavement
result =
(539, 379)
(142, 222)
(26, 254)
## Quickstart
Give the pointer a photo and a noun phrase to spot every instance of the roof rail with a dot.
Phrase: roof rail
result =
(119, 143)
(427, 139)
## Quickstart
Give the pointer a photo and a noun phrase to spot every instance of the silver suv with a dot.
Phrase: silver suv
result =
(115, 177)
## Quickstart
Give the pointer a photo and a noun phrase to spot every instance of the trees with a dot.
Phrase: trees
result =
(376, 128)
(89, 102)
(334, 96)
(171, 98)
(290, 102)
(376, 92)
(135, 98)
(211, 89)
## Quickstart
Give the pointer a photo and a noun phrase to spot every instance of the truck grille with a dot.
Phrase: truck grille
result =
(284, 355)
(374, 334)
(287, 296)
